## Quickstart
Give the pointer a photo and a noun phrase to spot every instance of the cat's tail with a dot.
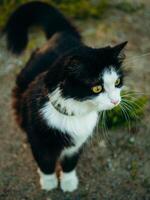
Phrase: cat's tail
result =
(34, 14)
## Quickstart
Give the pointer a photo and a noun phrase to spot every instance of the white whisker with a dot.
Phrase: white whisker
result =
(132, 102)
(104, 128)
(132, 59)
(126, 115)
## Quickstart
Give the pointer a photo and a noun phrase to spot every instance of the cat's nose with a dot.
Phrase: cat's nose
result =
(115, 101)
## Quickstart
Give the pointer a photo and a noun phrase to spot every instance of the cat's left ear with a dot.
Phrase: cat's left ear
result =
(118, 51)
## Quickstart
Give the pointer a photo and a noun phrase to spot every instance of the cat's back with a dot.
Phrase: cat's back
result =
(43, 58)
(30, 81)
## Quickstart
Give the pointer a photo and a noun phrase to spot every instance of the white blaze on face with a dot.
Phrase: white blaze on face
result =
(109, 79)
(111, 95)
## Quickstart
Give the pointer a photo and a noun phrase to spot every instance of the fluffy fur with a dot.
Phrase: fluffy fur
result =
(53, 98)
(69, 181)
(48, 182)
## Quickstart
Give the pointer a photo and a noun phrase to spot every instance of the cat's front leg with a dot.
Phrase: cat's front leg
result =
(48, 177)
(48, 181)
(69, 180)
(46, 159)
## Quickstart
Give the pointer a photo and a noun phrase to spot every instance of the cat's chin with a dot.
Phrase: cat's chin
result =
(104, 108)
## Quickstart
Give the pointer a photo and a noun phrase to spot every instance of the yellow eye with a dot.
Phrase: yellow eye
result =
(117, 82)
(97, 89)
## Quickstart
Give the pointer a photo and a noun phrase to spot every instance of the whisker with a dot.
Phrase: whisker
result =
(102, 123)
(125, 103)
(126, 115)
(130, 109)
(97, 129)
(134, 92)
(103, 126)
(133, 110)
(128, 96)
(134, 115)
(106, 128)
(137, 57)
(137, 106)
(98, 126)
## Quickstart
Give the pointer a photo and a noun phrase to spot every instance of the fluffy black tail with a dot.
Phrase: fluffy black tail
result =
(30, 14)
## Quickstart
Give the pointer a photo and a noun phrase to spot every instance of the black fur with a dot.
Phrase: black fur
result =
(34, 13)
(64, 60)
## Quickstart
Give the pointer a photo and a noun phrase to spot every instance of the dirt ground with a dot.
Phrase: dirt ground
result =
(119, 170)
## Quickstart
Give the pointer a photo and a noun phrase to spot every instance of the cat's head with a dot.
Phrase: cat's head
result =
(88, 77)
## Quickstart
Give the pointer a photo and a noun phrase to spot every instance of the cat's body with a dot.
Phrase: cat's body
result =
(55, 99)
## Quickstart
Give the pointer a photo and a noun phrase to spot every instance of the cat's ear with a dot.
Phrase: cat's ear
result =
(118, 51)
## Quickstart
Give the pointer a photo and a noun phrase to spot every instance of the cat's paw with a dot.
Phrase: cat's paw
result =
(69, 182)
(48, 182)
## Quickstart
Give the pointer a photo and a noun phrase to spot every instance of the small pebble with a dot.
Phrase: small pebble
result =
(132, 140)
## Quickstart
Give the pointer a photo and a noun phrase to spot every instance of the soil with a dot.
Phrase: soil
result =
(115, 170)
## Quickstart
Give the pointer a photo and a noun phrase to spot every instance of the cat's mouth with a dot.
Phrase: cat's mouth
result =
(102, 106)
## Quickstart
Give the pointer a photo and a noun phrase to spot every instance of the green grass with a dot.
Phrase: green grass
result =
(129, 7)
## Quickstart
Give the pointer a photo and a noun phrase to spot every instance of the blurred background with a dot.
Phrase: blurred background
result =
(116, 162)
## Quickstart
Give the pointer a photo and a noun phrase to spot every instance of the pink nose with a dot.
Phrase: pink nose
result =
(115, 101)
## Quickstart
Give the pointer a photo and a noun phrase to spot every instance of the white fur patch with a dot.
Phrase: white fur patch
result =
(69, 181)
(72, 105)
(48, 182)
(79, 127)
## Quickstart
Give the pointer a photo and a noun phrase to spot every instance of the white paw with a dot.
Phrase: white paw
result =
(48, 182)
(69, 181)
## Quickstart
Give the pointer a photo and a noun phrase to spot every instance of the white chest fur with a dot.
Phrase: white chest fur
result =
(78, 127)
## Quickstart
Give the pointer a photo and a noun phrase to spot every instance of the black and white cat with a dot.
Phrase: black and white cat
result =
(61, 90)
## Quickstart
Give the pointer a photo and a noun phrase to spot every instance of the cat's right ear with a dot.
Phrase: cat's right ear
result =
(118, 51)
